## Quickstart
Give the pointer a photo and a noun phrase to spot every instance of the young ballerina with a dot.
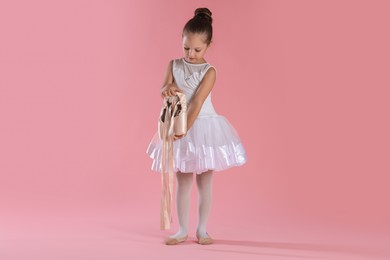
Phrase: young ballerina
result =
(211, 142)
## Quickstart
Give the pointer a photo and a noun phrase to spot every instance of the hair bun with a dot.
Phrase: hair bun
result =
(204, 13)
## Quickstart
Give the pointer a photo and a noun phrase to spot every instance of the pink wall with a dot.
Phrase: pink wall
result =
(305, 83)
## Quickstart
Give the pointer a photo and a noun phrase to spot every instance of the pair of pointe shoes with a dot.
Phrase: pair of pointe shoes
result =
(202, 241)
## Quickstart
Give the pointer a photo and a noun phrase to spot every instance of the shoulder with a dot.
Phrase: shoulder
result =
(173, 63)
(210, 70)
(209, 75)
(177, 60)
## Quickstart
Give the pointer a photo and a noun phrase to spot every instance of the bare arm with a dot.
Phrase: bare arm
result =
(169, 86)
(199, 97)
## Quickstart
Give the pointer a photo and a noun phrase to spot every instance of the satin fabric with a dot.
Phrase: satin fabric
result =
(172, 121)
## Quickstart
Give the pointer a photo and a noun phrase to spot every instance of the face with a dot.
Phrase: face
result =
(194, 47)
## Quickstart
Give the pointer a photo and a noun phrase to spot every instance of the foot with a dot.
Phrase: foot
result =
(204, 238)
(176, 238)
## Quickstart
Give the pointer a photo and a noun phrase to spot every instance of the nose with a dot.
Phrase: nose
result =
(190, 53)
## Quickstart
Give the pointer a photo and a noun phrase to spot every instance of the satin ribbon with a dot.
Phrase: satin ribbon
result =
(167, 154)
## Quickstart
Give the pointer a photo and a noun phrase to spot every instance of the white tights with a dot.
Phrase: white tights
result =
(183, 198)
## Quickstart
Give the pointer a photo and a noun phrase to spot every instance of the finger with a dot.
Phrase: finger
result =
(176, 89)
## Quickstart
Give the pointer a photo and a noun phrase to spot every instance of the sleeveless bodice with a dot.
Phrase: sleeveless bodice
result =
(188, 77)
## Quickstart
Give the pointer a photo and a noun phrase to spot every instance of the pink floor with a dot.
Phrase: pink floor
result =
(120, 233)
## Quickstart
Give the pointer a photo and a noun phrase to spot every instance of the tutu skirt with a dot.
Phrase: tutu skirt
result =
(212, 143)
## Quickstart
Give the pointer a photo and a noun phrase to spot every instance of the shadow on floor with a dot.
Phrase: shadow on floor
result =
(133, 233)
(324, 248)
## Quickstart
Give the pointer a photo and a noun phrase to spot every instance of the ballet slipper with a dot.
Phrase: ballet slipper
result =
(175, 241)
(205, 240)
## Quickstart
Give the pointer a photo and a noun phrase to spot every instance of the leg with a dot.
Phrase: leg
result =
(183, 199)
(204, 183)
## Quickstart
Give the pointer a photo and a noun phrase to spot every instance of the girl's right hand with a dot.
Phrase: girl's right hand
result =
(170, 90)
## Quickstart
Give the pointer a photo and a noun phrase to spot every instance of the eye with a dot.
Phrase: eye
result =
(186, 48)
(197, 50)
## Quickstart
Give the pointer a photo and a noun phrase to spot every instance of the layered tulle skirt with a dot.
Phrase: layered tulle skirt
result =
(212, 143)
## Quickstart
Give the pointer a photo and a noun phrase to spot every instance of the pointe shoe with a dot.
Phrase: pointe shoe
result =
(175, 241)
(205, 240)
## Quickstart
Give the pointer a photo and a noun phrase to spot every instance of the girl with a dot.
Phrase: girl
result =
(211, 142)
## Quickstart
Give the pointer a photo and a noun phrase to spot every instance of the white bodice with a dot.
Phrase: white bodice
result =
(188, 77)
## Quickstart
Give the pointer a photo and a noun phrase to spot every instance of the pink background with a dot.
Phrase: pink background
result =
(305, 83)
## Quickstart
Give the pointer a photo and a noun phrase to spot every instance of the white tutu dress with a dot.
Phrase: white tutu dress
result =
(212, 143)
